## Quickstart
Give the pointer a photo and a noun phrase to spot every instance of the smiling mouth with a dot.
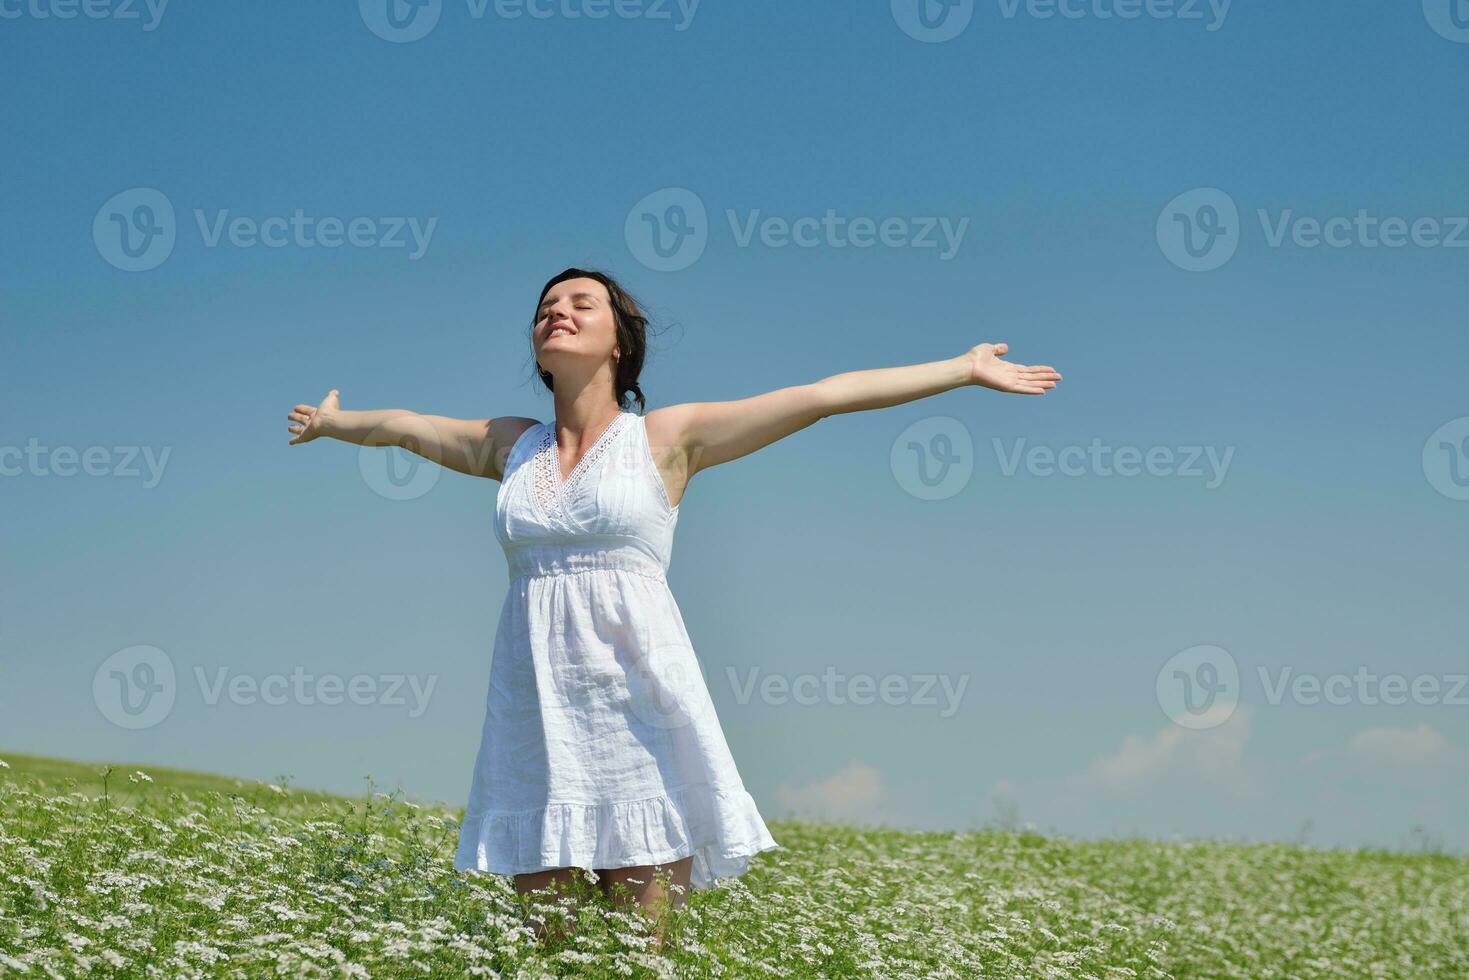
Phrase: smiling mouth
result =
(559, 330)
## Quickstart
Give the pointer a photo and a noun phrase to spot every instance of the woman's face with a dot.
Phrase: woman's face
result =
(575, 320)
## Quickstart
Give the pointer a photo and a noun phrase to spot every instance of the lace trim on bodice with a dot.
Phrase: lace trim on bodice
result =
(546, 463)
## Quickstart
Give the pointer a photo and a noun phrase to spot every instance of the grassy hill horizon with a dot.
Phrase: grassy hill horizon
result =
(119, 870)
(86, 775)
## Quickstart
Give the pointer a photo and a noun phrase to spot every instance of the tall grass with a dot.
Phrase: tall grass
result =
(189, 875)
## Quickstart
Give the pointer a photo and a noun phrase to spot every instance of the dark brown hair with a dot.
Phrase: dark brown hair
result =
(632, 336)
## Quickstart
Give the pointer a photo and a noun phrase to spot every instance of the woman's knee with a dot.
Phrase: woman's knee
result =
(558, 879)
(646, 883)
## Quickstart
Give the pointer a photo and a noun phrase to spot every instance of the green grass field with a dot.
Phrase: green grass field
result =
(197, 875)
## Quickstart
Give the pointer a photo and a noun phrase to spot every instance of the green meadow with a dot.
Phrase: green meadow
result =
(130, 871)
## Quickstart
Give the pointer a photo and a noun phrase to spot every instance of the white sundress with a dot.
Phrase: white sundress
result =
(601, 747)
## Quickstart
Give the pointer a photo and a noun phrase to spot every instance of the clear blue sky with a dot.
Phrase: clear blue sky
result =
(523, 145)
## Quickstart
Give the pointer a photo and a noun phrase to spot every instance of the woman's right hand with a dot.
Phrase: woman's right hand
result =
(312, 422)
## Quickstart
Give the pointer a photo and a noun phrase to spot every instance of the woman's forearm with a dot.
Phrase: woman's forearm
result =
(465, 445)
(856, 391)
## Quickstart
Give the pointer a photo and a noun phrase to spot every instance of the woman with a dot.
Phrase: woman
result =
(601, 749)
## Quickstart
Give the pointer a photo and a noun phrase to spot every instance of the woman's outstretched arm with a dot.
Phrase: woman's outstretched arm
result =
(477, 447)
(706, 434)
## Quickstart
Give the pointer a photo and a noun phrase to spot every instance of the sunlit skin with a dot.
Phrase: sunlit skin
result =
(574, 338)
(686, 438)
(653, 889)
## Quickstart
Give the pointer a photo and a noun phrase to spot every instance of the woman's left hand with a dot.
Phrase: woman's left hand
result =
(989, 371)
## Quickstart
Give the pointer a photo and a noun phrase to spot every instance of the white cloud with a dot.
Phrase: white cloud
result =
(1415, 748)
(1217, 782)
(1215, 754)
(855, 793)
(1174, 781)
